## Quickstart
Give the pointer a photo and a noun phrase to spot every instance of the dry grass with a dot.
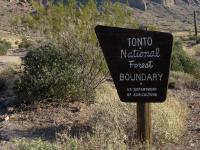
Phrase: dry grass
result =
(189, 50)
(196, 48)
(193, 51)
(10, 60)
(182, 35)
(183, 80)
(189, 45)
(114, 125)
(7, 76)
(12, 38)
(169, 120)
(7, 73)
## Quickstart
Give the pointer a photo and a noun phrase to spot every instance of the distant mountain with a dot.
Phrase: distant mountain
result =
(141, 4)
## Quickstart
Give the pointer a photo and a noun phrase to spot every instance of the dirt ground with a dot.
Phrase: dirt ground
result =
(191, 138)
(46, 121)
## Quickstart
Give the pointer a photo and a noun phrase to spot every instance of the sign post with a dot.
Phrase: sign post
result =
(144, 123)
(144, 128)
(139, 63)
(195, 26)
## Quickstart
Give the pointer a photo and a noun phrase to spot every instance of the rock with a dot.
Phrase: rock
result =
(38, 108)
(2, 138)
(196, 130)
(140, 4)
(165, 2)
(74, 109)
(7, 118)
(13, 117)
(10, 110)
(192, 144)
(191, 106)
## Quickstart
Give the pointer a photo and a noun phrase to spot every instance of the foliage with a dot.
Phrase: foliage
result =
(25, 43)
(22, 144)
(4, 46)
(193, 37)
(59, 73)
(181, 80)
(182, 62)
(113, 124)
(81, 67)
(169, 121)
(77, 21)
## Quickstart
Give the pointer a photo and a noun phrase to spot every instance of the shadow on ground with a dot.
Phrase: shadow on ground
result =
(48, 133)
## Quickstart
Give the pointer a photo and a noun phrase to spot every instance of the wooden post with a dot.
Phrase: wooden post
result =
(144, 128)
(195, 26)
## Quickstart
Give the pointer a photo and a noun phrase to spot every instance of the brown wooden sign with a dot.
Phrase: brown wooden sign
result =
(138, 61)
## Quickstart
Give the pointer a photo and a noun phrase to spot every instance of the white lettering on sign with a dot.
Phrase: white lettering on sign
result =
(146, 65)
(141, 48)
(140, 77)
(140, 54)
(145, 94)
(138, 61)
(140, 41)
(142, 91)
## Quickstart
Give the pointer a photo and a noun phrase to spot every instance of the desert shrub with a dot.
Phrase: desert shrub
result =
(74, 31)
(115, 125)
(25, 43)
(196, 50)
(4, 46)
(168, 118)
(7, 75)
(77, 20)
(180, 61)
(60, 73)
(181, 80)
(194, 38)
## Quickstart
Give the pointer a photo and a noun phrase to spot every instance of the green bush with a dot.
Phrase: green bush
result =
(182, 62)
(4, 46)
(65, 74)
(76, 21)
(76, 68)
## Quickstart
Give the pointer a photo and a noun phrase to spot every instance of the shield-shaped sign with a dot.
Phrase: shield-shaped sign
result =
(138, 61)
